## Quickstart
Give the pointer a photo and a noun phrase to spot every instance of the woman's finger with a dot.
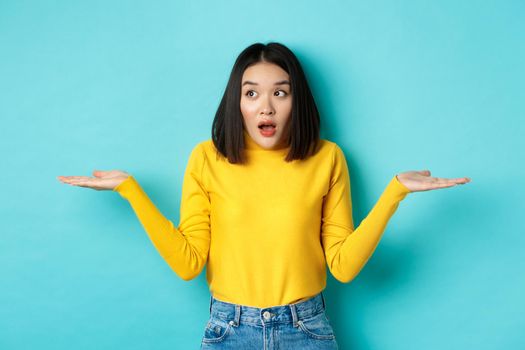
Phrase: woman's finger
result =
(436, 185)
(450, 182)
(96, 183)
(73, 177)
(460, 180)
(65, 177)
(446, 180)
(83, 183)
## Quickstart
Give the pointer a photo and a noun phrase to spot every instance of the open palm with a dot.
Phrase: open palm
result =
(102, 180)
(422, 181)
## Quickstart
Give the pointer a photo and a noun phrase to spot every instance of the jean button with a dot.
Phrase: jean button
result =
(266, 315)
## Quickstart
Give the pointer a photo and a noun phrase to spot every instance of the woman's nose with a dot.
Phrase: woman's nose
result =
(267, 111)
(267, 107)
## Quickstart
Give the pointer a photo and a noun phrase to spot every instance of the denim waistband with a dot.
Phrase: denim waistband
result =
(290, 313)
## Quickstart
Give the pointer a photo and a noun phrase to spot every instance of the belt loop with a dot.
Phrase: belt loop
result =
(295, 317)
(322, 298)
(211, 300)
(237, 314)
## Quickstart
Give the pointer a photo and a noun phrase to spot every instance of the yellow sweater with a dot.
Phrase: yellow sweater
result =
(266, 229)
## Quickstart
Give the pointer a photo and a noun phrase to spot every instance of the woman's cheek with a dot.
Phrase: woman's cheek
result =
(249, 110)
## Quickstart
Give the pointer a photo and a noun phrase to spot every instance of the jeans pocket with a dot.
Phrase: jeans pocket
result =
(216, 330)
(317, 327)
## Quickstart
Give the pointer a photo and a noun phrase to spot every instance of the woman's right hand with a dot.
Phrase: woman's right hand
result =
(102, 180)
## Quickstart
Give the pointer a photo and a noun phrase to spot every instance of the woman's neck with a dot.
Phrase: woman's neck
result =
(251, 145)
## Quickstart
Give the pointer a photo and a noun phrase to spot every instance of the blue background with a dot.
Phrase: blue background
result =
(134, 85)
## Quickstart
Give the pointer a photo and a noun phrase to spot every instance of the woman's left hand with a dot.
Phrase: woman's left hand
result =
(422, 181)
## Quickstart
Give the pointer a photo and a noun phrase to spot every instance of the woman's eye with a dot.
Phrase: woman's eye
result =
(251, 93)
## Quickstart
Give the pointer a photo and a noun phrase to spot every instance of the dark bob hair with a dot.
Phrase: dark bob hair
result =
(227, 127)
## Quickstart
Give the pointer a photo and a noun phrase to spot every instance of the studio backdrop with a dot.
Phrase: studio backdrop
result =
(403, 85)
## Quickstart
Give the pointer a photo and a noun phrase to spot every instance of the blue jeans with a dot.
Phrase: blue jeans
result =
(301, 325)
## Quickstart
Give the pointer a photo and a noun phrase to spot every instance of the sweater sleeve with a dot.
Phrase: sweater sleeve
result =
(347, 250)
(185, 248)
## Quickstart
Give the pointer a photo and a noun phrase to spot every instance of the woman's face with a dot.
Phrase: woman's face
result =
(266, 99)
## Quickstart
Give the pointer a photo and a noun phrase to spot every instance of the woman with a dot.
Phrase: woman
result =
(266, 205)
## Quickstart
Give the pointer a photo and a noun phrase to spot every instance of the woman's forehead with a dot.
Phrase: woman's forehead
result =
(264, 73)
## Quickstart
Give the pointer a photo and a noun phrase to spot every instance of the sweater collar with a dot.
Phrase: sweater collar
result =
(251, 145)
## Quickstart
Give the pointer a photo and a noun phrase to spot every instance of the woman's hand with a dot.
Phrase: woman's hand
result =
(103, 180)
(422, 181)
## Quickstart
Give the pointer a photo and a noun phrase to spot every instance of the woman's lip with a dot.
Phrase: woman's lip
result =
(266, 122)
(267, 132)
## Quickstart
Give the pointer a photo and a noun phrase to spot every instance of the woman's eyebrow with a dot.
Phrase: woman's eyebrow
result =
(281, 82)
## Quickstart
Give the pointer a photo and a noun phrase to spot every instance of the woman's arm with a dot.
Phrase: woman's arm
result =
(347, 250)
(185, 248)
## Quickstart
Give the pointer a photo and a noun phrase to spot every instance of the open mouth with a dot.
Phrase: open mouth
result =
(266, 125)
